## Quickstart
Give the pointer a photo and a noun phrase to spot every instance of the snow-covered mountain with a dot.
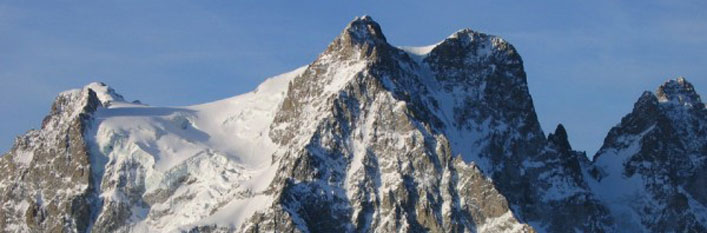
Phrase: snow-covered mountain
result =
(652, 169)
(369, 137)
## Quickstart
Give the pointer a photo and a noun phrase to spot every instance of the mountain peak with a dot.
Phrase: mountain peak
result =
(105, 93)
(559, 138)
(467, 36)
(364, 30)
(469, 45)
(464, 32)
(678, 91)
(361, 39)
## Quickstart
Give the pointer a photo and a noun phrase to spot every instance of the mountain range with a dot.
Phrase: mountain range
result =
(369, 137)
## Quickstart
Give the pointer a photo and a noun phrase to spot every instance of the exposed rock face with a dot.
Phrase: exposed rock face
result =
(485, 95)
(47, 184)
(656, 155)
(367, 138)
(373, 162)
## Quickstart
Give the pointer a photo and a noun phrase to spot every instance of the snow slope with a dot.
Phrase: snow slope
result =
(220, 150)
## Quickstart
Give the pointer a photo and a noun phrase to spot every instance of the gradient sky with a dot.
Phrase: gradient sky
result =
(587, 61)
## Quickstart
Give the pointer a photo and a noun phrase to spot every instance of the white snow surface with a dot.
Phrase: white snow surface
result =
(217, 154)
(419, 50)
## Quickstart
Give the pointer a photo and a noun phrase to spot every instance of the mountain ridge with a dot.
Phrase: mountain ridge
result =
(369, 137)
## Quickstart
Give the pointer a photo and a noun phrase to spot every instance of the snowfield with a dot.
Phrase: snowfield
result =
(220, 149)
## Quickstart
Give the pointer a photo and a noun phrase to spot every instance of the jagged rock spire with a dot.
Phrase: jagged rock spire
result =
(362, 38)
(673, 93)
(559, 138)
(678, 91)
(364, 29)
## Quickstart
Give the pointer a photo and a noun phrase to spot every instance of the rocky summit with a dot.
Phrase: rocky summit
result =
(369, 137)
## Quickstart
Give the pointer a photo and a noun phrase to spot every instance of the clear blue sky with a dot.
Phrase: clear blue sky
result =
(587, 61)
